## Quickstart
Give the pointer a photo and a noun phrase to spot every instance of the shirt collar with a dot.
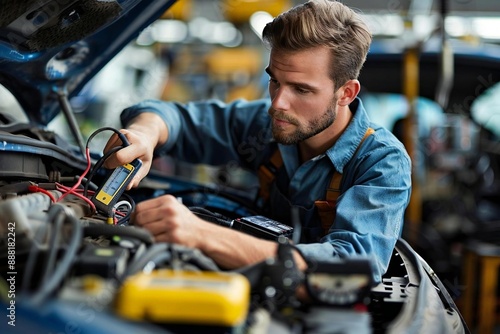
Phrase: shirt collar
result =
(345, 147)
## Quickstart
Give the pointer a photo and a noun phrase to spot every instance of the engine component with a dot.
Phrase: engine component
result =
(186, 297)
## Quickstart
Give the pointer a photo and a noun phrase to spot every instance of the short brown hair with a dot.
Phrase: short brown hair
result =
(323, 23)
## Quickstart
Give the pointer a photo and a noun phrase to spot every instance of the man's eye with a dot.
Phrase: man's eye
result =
(301, 90)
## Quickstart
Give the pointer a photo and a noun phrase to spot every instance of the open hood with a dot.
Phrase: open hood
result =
(52, 48)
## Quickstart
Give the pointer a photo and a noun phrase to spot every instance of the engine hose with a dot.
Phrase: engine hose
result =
(96, 230)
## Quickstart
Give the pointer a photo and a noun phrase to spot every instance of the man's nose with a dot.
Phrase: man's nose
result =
(280, 99)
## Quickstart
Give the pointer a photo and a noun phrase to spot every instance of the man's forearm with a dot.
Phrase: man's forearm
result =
(233, 249)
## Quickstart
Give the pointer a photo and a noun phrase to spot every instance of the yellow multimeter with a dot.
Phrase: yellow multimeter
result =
(110, 191)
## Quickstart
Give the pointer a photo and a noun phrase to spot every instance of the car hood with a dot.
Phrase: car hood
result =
(54, 47)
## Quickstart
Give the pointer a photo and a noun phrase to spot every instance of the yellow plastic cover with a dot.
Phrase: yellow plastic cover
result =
(185, 297)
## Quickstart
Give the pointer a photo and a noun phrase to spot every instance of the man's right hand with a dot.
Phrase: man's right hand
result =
(144, 133)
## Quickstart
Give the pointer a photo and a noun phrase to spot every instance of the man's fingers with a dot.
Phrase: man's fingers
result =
(165, 202)
(154, 210)
(113, 141)
(120, 157)
(155, 228)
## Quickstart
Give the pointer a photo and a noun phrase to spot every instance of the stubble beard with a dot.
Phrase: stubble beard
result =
(302, 132)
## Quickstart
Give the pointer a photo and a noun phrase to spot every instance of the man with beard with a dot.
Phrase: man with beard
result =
(318, 126)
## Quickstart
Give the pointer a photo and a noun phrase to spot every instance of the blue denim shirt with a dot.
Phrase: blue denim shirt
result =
(376, 179)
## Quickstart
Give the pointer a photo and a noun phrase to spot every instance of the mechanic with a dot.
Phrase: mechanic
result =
(318, 123)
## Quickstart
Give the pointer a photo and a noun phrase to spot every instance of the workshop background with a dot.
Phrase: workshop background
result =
(431, 77)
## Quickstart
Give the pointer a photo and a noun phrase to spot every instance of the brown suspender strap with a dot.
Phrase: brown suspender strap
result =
(326, 209)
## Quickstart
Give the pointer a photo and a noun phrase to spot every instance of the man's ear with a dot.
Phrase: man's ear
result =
(348, 92)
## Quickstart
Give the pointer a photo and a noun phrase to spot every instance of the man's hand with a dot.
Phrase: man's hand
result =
(145, 133)
(169, 221)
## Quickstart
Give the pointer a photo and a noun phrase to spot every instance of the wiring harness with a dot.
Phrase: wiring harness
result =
(84, 188)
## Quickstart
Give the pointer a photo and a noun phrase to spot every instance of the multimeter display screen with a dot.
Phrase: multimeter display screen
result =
(118, 176)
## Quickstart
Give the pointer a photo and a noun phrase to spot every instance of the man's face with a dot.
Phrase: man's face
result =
(302, 94)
